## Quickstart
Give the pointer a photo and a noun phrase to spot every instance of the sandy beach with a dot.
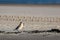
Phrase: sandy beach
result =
(39, 11)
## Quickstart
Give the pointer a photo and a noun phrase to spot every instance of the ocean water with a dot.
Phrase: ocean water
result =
(29, 1)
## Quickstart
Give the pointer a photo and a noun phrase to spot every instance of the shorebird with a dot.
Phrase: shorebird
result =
(19, 27)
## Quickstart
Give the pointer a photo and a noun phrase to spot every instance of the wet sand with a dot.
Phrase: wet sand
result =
(34, 36)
